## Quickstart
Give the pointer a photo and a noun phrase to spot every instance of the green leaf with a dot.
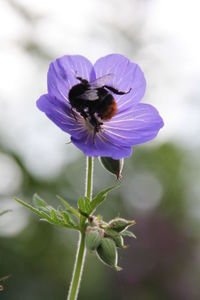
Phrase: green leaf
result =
(84, 206)
(38, 201)
(65, 217)
(81, 204)
(100, 197)
(69, 218)
(52, 216)
(41, 204)
(33, 209)
(47, 220)
(43, 214)
(68, 206)
(84, 214)
(128, 233)
(73, 219)
(87, 205)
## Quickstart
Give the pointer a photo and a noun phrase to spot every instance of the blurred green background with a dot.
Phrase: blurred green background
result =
(160, 187)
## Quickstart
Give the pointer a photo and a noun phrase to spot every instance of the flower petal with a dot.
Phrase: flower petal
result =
(63, 72)
(101, 147)
(61, 115)
(126, 75)
(136, 125)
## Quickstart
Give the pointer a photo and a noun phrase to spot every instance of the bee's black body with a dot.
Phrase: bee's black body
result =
(93, 103)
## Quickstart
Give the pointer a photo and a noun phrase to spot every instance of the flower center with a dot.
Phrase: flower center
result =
(94, 101)
(92, 124)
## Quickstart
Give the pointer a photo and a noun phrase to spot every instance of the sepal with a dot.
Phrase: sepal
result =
(94, 236)
(128, 234)
(116, 237)
(107, 252)
(105, 238)
(113, 166)
(120, 224)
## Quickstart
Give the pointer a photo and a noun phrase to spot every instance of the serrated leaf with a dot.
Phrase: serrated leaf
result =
(33, 209)
(48, 221)
(87, 205)
(81, 204)
(41, 204)
(68, 206)
(73, 219)
(84, 214)
(44, 215)
(128, 233)
(54, 216)
(38, 201)
(100, 197)
(65, 217)
(69, 218)
(30, 207)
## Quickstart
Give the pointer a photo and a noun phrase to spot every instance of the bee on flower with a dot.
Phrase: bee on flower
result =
(99, 105)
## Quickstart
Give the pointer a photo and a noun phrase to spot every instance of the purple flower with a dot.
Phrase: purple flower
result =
(102, 113)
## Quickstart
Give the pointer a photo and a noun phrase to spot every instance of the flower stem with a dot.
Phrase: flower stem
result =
(89, 177)
(81, 250)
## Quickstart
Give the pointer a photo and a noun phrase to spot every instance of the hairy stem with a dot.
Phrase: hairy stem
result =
(81, 250)
(89, 177)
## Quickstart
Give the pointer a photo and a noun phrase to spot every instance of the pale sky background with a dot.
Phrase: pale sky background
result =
(169, 59)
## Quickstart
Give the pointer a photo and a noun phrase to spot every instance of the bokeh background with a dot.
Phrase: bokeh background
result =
(160, 187)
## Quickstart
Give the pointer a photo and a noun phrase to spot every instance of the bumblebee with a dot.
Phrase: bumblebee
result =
(94, 100)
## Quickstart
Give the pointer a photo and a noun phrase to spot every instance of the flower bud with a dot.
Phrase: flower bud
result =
(107, 252)
(119, 224)
(117, 238)
(94, 236)
(114, 166)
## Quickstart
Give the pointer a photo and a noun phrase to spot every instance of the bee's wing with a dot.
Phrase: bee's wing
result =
(90, 95)
(102, 81)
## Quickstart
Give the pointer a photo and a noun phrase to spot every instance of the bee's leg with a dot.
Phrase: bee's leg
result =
(96, 124)
(112, 89)
(84, 81)
(96, 129)
(84, 114)
(93, 120)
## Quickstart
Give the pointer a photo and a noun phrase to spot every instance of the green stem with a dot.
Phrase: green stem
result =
(89, 177)
(78, 268)
(81, 250)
